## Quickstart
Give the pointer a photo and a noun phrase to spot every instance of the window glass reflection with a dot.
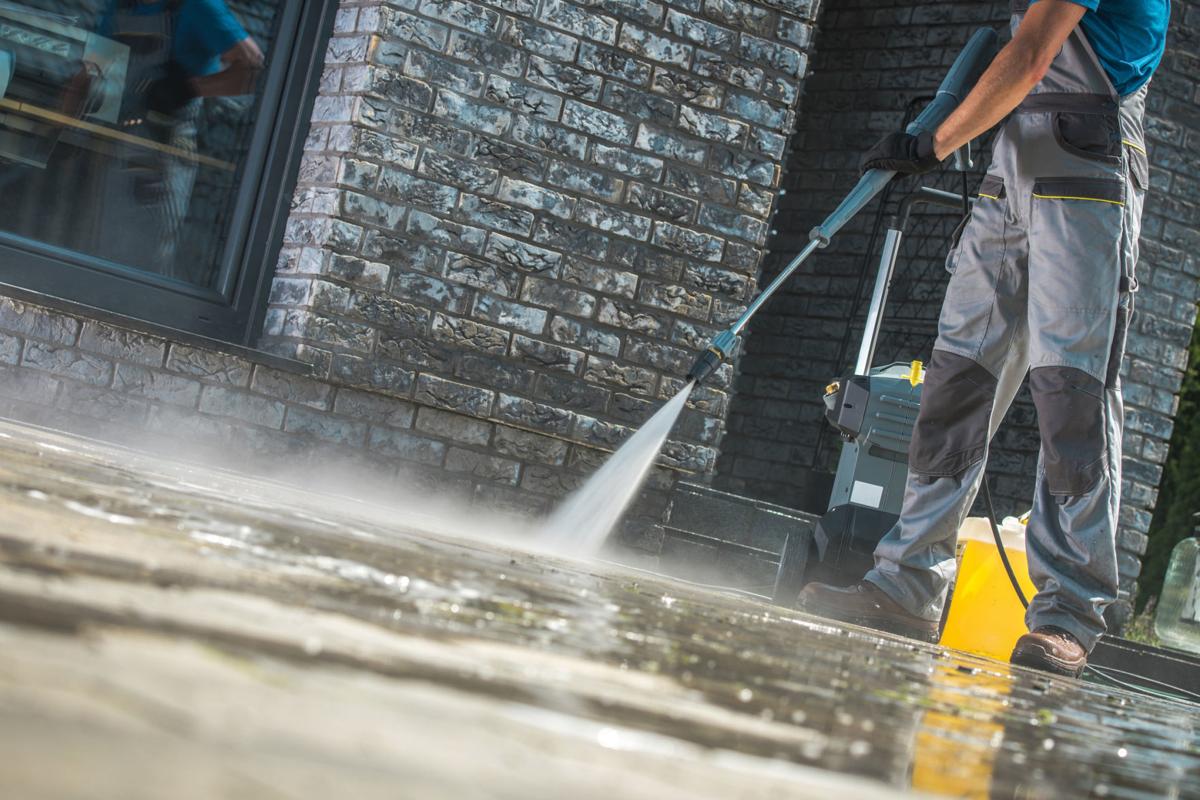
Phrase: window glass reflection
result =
(124, 124)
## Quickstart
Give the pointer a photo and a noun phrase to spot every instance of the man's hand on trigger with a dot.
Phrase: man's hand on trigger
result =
(903, 153)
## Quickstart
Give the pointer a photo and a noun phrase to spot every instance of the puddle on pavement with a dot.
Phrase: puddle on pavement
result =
(160, 621)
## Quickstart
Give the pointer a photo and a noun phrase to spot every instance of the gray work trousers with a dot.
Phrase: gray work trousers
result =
(1042, 283)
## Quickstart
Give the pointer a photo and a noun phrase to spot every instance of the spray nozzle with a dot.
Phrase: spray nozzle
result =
(711, 357)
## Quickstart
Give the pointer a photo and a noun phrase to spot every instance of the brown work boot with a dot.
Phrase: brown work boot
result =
(1050, 649)
(866, 604)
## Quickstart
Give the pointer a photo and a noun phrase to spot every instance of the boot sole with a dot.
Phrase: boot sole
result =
(1034, 656)
(922, 633)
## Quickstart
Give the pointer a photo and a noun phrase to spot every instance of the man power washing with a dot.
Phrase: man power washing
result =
(1043, 278)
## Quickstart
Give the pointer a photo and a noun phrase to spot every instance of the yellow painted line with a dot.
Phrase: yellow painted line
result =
(989, 196)
(1135, 146)
(1072, 197)
(108, 133)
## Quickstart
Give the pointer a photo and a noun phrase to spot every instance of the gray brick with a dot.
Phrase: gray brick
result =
(537, 39)
(543, 135)
(698, 185)
(372, 210)
(742, 166)
(325, 426)
(597, 122)
(731, 223)
(445, 233)
(374, 408)
(10, 349)
(472, 114)
(572, 393)
(579, 179)
(485, 467)
(558, 297)
(497, 373)
(712, 126)
(613, 220)
(779, 57)
(538, 416)
(102, 404)
(651, 46)
(639, 105)
(511, 158)
(291, 388)
(522, 256)
(418, 351)
(613, 63)
(40, 323)
(525, 446)
(68, 362)
(367, 274)
(688, 88)
(456, 427)
(563, 78)
(676, 299)
(539, 198)
(584, 337)
(460, 14)
(523, 98)
(411, 28)
(578, 21)
(464, 333)
(429, 291)
(487, 53)
(600, 277)
(122, 344)
(380, 311)
(545, 354)
(407, 446)
(368, 374)
(666, 143)
(721, 68)
(743, 16)
(626, 162)
(495, 215)
(443, 72)
(757, 111)
(433, 131)
(691, 243)
(510, 315)
(28, 385)
(629, 316)
(208, 365)
(571, 238)
(490, 275)
(453, 396)
(662, 205)
(224, 402)
(701, 32)
(418, 191)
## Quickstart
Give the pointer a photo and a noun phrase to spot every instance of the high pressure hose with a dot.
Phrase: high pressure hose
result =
(964, 73)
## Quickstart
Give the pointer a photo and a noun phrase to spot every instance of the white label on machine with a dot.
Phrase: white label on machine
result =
(866, 494)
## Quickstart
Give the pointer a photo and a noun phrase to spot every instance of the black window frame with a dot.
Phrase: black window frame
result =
(234, 312)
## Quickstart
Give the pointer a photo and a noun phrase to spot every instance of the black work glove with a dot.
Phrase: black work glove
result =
(171, 92)
(902, 152)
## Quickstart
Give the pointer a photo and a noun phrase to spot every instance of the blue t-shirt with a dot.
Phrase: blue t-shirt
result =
(204, 29)
(1128, 37)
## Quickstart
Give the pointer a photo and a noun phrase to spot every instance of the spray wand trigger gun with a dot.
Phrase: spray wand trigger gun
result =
(964, 73)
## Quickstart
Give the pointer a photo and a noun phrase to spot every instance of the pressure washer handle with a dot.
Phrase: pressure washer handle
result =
(962, 77)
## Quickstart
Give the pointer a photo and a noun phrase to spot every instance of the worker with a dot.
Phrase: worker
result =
(1042, 283)
(180, 50)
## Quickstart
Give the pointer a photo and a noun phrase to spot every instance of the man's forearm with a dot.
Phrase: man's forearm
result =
(242, 64)
(1001, 88)
(1014, 72)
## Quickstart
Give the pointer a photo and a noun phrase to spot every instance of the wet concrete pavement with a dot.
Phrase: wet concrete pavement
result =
(168, 630)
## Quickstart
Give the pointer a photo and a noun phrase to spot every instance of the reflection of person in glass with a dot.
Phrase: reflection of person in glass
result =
(180, 51)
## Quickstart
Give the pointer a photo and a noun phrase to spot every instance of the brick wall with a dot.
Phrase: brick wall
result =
(528, 215)
(872, 57)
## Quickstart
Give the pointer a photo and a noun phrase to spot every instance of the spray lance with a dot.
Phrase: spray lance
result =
(964, 73)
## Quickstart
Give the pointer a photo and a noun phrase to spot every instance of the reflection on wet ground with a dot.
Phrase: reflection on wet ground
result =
(171, 629)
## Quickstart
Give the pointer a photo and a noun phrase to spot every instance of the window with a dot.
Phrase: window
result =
(147, 150)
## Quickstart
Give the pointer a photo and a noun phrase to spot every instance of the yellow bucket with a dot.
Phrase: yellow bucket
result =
(985, 617)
